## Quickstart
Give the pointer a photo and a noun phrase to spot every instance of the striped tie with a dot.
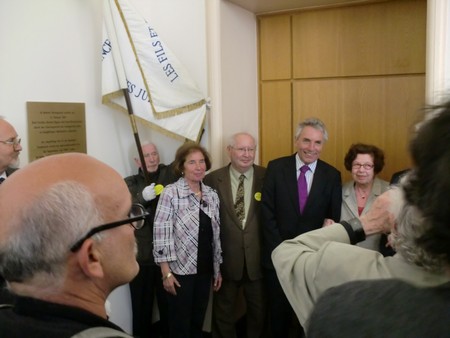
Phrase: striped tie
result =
(239, 201)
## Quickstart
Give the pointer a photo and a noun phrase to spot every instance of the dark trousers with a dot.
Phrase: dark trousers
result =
(188, 308)
(143, 288)
(282, 319)
(224, 307)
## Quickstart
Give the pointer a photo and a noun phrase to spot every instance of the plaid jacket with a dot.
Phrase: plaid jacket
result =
(176, 227)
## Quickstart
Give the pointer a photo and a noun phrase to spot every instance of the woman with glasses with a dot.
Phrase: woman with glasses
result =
(186, 241)
(364, 161)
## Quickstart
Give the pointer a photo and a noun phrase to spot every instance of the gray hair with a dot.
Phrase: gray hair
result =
(44, 232)
(312, 122)
(411, 225)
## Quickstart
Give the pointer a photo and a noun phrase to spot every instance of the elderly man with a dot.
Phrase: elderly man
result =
(148, 281)
(240, 232)
(393, 308)
(66, 242)
(9, 160)
(10, 149)
(312, 263)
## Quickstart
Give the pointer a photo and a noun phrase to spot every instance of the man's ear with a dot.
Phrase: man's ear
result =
(138, 162)
(89, 259)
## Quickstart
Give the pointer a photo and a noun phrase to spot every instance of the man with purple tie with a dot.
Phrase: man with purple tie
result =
(300, 193)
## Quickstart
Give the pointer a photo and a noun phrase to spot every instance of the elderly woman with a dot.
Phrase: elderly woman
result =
(364, 161)
(186, 241)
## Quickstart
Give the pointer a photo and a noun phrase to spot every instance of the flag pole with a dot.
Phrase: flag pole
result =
(136, 135)
(121, 77)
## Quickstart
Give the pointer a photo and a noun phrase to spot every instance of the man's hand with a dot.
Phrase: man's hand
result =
(217, 282)
(382, 214)
(149, 192)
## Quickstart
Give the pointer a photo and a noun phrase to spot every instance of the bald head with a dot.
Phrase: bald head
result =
(9, 153)
(27, 185)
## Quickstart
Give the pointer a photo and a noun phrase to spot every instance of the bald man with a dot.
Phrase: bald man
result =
(66, 242)
(10, 149)
(9, 160)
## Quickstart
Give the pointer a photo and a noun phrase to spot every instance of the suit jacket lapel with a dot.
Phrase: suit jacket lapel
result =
(256, 186)
(290, 182)
(317, 186)
(224, 182)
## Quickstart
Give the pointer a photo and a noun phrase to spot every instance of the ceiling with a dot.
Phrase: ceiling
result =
(271, 6)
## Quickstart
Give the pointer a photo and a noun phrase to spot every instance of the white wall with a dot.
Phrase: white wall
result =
(239, 68)
(50, 51)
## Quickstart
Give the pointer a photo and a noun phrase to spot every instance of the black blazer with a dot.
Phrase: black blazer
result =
(280, 211)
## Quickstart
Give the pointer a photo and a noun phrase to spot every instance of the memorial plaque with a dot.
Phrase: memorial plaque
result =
(55, 128)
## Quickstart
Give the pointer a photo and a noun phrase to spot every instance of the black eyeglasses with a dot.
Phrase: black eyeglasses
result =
(136, 219)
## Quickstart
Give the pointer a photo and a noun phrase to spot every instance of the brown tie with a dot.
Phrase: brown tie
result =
(239, 201)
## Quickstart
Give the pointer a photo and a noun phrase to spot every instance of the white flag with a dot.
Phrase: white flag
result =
(161, 90)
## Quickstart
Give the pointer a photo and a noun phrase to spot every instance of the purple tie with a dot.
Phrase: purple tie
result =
(302, 187)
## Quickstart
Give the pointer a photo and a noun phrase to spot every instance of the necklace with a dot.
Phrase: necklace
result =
(361, 194)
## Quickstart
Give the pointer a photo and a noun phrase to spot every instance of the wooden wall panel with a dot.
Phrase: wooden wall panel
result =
(371, 39)
(276, 137)
(378, 110)
(361, 69)
(275, 47)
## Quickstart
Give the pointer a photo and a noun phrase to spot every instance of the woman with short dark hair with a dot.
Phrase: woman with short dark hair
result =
(364, 161)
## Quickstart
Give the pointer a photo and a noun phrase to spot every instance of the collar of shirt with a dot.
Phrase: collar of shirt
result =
(299, 163)
(183, 188)
(3, 175)
(236, 174)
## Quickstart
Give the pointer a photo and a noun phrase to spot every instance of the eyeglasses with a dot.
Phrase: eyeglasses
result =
(366, 166)
(12, 142)
(136, 218)
(243, 150)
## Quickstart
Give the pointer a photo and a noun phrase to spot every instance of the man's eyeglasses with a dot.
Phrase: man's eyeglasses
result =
(366, 166)
(12, 142)
(136, 219)
(243, 150)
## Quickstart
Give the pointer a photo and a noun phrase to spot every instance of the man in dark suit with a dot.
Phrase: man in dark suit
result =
(10, 149)
(148, 283)
(281, 215)
(240, 234)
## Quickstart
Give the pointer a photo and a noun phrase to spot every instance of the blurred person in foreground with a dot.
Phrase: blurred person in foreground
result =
(240, 233)
(365, 162)
(187, 242)
(10, 149)
(147, 283)
(395, 308)
(66, 242)
(313, 262)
